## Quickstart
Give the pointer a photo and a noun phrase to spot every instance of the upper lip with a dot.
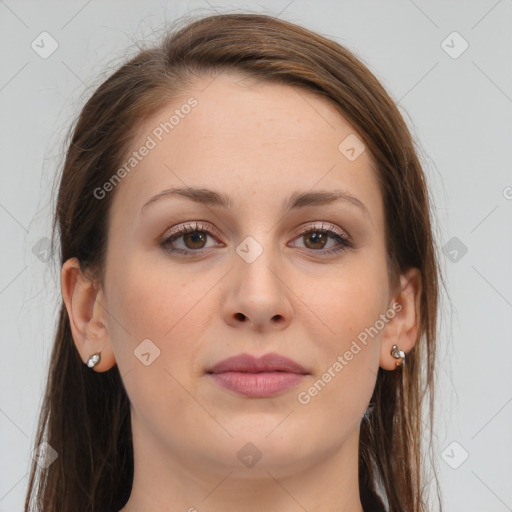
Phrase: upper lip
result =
(251, 364)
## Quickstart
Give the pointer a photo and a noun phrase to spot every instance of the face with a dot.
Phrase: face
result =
(257, 275)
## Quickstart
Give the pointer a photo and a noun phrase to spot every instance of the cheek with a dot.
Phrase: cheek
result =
(349, 303)
(149, 301)
(352, 300)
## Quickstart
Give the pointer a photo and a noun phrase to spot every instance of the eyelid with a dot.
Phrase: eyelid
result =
(187, 227)
(325, 226)
(203, 225)
(196, 225)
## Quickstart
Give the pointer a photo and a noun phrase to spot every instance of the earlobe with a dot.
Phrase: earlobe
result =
(401, 333)
(87, 316)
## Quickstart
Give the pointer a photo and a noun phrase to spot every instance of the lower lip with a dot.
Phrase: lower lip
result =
(258, 385)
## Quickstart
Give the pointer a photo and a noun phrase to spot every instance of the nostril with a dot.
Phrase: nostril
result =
(240, 316)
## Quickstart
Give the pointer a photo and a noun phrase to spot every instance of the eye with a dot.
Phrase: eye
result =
(194, 238)
(317, 238)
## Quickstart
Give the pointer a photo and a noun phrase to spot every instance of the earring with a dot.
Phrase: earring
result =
(399, 355)
(93, 360)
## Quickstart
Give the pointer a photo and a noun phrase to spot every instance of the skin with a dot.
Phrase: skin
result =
(257, 143)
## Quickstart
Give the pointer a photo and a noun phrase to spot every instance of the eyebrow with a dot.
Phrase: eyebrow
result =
(296, 200)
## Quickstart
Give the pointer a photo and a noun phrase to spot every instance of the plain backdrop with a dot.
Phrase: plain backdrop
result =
(448, 65)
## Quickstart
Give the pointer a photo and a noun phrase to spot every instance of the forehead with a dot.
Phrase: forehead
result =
(261, 141)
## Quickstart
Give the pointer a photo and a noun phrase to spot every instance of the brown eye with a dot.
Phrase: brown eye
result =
(188, 239)
(195, 239)
(318, 240)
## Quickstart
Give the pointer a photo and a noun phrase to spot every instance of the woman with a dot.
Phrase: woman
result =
(249, 283)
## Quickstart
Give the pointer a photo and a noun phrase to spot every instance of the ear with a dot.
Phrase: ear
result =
(84, 301)
(403, 329)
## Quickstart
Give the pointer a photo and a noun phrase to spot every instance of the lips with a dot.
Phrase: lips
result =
(249, 364)
(262, 377)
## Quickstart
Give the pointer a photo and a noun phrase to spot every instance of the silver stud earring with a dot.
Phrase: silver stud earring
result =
(93, 360)
(399, 355)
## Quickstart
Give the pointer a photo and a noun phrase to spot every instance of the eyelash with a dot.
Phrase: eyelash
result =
(197, 226)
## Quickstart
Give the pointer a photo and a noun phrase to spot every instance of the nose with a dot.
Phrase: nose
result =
(257, 295)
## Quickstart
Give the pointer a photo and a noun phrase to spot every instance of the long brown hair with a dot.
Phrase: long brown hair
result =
(85, 416)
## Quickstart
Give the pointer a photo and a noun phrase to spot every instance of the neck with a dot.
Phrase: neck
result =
(165, 481)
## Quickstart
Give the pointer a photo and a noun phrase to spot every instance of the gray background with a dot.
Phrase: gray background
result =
(459, 108)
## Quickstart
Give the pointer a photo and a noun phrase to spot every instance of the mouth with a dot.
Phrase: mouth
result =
(261, 377)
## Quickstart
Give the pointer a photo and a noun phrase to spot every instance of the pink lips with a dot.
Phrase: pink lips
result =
(258, 377)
